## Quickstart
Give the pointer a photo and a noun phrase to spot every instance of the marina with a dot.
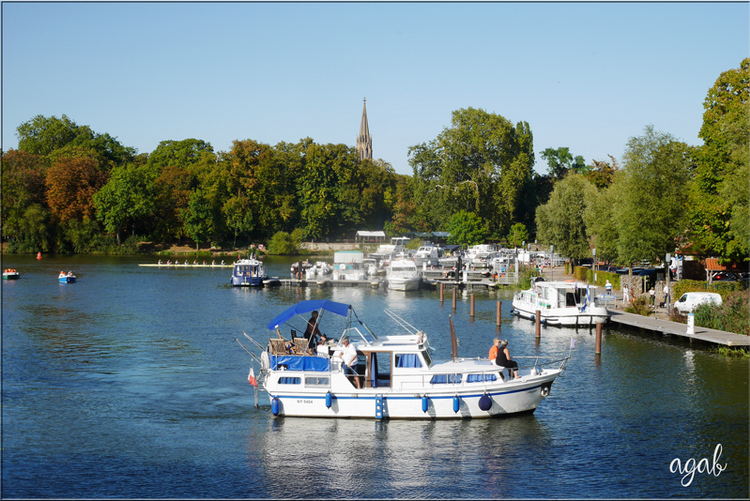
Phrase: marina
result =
(130, 384)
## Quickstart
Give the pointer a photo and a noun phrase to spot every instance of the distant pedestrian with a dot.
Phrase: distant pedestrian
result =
(608, 288)
(652, 295)
(666, 294)
(625, 295)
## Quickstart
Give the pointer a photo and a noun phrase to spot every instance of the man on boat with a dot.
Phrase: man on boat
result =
(349, 359)
(312, 332)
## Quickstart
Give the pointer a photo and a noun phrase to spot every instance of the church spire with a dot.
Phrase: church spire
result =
(364, 140)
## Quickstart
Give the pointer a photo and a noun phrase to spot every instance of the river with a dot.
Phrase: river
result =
(130, 384)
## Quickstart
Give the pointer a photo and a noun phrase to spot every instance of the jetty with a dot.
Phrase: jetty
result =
(677, 329)
(303, 282)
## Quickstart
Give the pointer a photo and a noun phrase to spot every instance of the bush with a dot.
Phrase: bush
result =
(641, 306)
(282, 243)
(731, 316)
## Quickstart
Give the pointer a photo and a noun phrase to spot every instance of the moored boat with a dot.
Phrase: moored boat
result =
(248, 273)
(348, 265)
(560, 303)
(396, 375)
(403, 275)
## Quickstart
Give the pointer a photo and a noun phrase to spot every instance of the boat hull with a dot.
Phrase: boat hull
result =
(11, 276)
(67, 280)
(566, 317)
(513, 398)
(411, 284)
(248, 281)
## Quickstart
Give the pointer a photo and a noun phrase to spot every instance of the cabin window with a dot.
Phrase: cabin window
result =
(479, 378)
(290, 380)
(408, 360)
(317, 381)
(446, 379)
(427, 358)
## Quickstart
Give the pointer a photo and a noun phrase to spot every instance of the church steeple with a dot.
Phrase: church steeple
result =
(364, 140)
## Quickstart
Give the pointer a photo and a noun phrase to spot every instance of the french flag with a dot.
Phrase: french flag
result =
(251, 378)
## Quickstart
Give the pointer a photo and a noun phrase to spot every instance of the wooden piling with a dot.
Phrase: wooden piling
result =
(538, 323)
(598, 344)
(471, 310)
(455, 297)
(499, 313)
(442, 292)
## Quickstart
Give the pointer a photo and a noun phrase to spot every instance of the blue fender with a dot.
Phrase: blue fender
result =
(275, 406)
(425, 403)
(456, 403)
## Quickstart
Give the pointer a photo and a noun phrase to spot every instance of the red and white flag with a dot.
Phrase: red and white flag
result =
(251, 378)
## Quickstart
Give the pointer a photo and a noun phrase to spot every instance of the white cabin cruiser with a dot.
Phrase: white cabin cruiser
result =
(318, 270)
(427, 255)
(403, 275)
(560, 303)
(398, 377)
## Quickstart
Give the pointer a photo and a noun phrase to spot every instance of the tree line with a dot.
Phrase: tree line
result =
(67, 188)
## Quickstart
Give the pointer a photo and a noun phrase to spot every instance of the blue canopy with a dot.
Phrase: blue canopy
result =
(308, 306)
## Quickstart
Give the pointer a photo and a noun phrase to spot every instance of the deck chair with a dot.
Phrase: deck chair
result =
(300, 345)
(277, 347)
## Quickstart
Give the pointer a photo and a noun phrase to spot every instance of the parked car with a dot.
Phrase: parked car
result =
(724, 276)
(690, 301)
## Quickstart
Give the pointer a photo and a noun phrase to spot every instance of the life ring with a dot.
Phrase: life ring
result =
(265, 362)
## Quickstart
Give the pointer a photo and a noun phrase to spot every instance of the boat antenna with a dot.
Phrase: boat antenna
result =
(400, 321)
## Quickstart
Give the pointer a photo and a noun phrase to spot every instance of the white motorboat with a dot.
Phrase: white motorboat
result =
(427, 255)
(398, 377)
(560, 303)
(248, 273)
(403, 275)
(318, 270)
(348, 265)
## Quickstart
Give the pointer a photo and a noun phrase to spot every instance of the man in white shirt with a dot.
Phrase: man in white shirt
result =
(349, 358)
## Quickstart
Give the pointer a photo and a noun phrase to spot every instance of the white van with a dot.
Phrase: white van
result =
(690, 301)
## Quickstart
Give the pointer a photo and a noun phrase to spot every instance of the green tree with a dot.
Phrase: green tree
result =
(238, 215)
(126, 200)
(517, 234)
(651, 196)
(199, 217)
(479, 165)
(719, 194)
(601, 223)
(560, 161)
(283, 243)
(601, 173)
(560, 221)
(466, 228)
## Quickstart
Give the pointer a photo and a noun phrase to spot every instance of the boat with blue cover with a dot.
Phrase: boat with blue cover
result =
(396, 374)
(66, 278)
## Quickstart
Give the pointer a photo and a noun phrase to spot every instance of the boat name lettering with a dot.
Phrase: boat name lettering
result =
(688, 469)
(304, 401)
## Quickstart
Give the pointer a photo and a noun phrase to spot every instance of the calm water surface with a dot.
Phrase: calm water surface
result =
(129, 383)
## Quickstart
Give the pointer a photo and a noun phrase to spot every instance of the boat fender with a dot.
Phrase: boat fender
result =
(329, 398)
(265, 362)
(485, 402)
(425, 403)
(275, 406)
(456, 403)
(545, 389)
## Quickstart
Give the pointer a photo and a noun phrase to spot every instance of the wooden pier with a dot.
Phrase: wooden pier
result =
(677, 329)
(295, 282)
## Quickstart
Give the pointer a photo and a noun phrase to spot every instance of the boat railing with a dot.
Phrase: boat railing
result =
(424, 379)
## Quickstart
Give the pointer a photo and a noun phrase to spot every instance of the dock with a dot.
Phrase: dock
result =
(677, 329)
(302, 282)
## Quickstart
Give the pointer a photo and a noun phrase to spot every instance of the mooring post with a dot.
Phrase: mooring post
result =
(598, 345)
(471, 311)
(538, 323)
(442, 292)
(455, 295)
(499, 313)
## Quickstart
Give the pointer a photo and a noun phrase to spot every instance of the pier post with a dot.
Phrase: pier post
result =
(455, 295)
(471, 310)
(442, 292)
(499, 313)
(598, 345)
(538, 323)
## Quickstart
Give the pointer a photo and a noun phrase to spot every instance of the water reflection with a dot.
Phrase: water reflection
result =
(405, 459)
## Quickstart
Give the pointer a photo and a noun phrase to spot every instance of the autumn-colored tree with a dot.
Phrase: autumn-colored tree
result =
(71, 184)
(602, 173)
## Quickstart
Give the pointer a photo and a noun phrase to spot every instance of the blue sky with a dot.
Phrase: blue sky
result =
(583, 75)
